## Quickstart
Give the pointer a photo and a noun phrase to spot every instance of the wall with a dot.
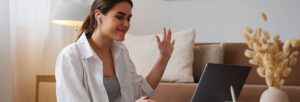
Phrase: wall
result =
(5, 70)
(216, 20)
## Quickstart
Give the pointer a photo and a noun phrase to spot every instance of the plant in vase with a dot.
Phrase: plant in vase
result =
(274, 64)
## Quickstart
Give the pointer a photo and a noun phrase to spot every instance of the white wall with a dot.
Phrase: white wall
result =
(217, 20)
(5, 70)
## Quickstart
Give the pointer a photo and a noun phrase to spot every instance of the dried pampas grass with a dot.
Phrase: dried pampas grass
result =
(273, 64)
(263, 16)
(296, 43)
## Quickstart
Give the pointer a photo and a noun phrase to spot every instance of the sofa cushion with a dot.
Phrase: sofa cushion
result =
(145, 54)
(204, 54)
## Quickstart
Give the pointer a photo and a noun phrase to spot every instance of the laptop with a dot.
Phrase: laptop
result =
(216, 79)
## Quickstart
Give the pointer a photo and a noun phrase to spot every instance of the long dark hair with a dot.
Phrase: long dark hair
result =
(90, 22)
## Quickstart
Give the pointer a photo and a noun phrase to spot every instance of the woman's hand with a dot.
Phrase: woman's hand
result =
(166, 49)
(144, 99)
(165, 46)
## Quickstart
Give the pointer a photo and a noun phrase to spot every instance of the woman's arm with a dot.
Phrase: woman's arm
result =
(68, 74)
(165, 48)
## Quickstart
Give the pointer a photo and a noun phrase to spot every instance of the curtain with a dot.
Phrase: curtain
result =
(36, 43)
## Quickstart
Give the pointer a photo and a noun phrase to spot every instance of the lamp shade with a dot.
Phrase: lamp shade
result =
(70, 14)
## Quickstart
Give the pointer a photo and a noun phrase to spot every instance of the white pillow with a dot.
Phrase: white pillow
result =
(144, 52)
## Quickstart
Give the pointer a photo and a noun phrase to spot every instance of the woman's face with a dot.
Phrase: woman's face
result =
(116, 22)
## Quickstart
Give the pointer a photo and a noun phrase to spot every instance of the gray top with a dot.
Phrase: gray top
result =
(112, 87)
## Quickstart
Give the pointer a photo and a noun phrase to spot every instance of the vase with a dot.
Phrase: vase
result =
(274, 94)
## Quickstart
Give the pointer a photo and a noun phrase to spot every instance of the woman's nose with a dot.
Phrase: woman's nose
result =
(126, 23)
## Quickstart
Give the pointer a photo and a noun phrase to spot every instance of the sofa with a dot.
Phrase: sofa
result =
(252, 90)
(183, 92)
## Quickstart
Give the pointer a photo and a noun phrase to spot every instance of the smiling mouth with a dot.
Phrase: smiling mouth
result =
(122, 31)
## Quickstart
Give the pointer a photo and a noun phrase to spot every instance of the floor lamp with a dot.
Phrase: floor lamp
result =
(70, 14)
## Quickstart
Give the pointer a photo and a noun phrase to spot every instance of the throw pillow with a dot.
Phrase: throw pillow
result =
(204, 54)
(144, 52)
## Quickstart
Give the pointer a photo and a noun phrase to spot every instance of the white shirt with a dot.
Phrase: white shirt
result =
(79, 74)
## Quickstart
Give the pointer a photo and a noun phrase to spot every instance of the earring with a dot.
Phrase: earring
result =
(99, 16)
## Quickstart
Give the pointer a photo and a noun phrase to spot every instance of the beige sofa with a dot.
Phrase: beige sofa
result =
(255, 85)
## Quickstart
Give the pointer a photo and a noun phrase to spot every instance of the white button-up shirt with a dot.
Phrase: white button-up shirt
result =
(79, 74)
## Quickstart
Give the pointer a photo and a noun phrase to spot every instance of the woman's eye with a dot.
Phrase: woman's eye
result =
(119, 17)
(128, 19)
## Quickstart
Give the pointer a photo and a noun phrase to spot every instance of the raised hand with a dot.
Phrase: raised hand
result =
(166, 49)
(165, 46)
(145, 99)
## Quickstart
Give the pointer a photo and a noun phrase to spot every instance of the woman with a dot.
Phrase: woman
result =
(97, 67)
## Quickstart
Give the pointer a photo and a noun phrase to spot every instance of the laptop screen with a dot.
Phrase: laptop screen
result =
(214, 84)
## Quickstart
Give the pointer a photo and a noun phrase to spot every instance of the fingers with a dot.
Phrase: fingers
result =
(158, 39)
(169, 35)
(164, 35)
(145, 97)
(145, 101)
(173, 42)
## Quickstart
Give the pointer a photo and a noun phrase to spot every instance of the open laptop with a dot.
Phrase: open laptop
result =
(216, 79)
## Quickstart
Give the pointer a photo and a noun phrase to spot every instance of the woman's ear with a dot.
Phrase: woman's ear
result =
(97, 15)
